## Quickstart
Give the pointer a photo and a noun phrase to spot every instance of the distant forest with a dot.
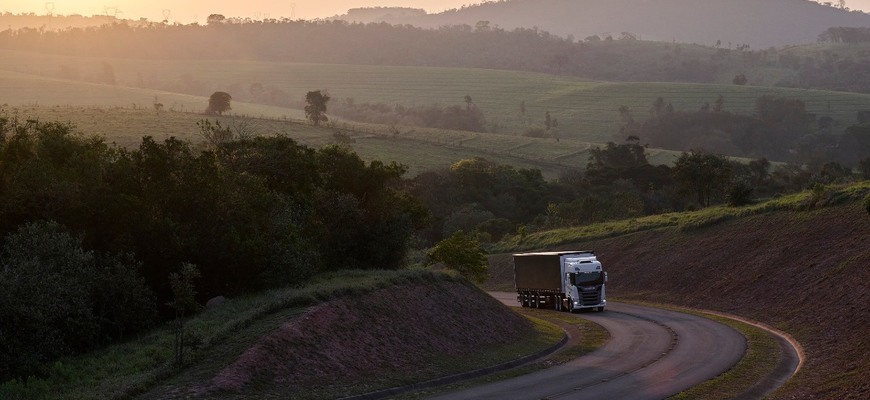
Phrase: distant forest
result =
(619, 57)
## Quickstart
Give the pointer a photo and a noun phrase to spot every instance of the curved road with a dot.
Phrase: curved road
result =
(652, 354)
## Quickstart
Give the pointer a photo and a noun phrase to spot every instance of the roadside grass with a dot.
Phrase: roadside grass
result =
(760, 359)
(684, 221)
(586, 110)
(592, 337)
(138, 365)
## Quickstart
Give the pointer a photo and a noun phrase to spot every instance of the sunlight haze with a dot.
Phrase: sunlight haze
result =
(198, 10)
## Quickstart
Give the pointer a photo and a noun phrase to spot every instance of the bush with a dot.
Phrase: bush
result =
(462, 253)
(739, 193)
(867, 204)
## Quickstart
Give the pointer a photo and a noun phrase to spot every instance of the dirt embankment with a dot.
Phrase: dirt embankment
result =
(806, 273)
(387, 337)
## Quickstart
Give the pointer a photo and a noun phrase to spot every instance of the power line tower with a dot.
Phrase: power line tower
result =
(292, 11)
(112, 11)
(49, 11)
(166, 14)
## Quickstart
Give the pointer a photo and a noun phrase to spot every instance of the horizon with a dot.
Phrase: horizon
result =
(198, 10)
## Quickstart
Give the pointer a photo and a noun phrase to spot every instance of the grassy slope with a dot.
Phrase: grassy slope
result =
(801, 270)
(379, 329)
(585, 110)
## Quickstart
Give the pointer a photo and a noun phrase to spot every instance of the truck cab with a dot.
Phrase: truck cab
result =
(584, 284)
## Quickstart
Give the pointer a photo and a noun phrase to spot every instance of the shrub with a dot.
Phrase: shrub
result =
(462, 253)
(867, 204)
(739, 193)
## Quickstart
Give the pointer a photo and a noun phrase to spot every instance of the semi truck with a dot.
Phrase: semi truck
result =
(564, 281)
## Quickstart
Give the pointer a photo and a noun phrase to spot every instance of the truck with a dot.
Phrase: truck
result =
(564, 280)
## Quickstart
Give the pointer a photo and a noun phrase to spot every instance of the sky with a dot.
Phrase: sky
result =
(187, 11)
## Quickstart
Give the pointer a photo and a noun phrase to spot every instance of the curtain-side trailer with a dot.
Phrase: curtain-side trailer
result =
(564, 280)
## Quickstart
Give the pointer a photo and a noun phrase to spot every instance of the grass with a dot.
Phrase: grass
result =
(586, 110)
(127, 369)
(685, 221)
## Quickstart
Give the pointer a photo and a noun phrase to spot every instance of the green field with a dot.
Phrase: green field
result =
(585, 110)
(419, 149)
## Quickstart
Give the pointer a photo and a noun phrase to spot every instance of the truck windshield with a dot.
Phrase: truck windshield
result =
(588, 278)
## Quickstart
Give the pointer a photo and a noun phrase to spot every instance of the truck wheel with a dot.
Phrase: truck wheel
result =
(557, 302)
(600, 309)
(571, 306)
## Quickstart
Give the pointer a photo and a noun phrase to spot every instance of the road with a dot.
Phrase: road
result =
(652, 354)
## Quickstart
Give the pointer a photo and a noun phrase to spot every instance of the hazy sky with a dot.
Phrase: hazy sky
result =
(186, 11)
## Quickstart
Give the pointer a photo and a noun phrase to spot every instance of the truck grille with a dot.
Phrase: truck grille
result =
(590, 297)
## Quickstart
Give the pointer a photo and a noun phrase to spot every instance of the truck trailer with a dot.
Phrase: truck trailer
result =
(564, 280)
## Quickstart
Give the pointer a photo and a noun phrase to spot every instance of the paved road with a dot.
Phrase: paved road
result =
(652, 354)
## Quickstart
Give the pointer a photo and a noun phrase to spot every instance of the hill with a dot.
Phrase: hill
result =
(512, 102)
(759, 24)
(803, 271)
(359, 331)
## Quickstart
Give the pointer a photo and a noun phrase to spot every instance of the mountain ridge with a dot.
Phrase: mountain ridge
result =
(772, 23)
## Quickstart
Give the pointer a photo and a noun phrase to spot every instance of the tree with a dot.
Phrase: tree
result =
(462, 253)
(218, 103)
(315, 107)
(183, 302)
(215, 19)
(867, 204)
(740, 79)
(864, 166)
(703, 174)
(57, 298)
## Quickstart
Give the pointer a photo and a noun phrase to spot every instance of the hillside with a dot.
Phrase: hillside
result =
(804, 272)
(759, 24)
(360, 331)
(512, 102)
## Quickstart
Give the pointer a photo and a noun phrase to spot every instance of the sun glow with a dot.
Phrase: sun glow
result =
(198, 10)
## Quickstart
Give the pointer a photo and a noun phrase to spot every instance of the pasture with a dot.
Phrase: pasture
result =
(585, 110)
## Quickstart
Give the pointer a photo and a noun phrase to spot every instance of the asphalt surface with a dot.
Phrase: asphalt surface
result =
(652, 354)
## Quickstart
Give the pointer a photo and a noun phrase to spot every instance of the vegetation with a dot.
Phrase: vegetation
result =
(142, 366)
(585, 110)
(867, 204)
(685, 221)
(59, 299)
(315, 107)
(219, 103)
(469, 118)
(244, 212)
(463, 254)
(624, 58)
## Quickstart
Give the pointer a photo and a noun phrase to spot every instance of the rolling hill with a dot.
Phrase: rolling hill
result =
(801, 269)
(586, 110)
(760, 24)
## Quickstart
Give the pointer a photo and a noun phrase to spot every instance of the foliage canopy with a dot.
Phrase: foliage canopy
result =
(462, 253)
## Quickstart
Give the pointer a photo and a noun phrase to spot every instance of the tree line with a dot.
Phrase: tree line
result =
(780, 129)
(482, 46)
(92, 232)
